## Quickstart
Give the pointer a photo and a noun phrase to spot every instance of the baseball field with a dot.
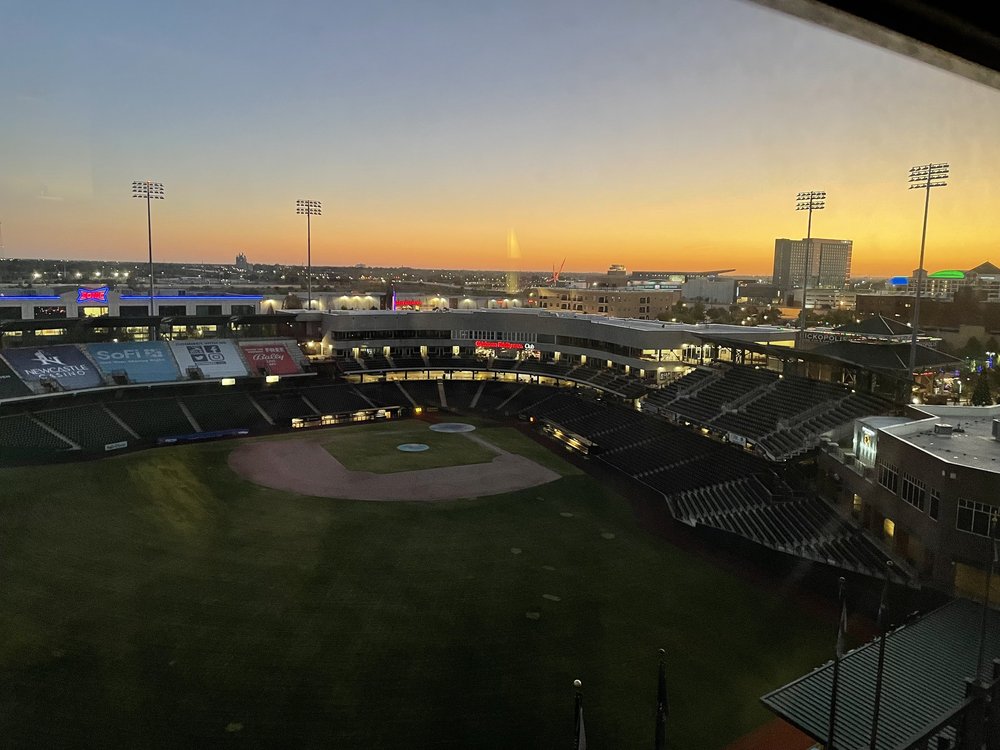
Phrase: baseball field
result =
(170, 598)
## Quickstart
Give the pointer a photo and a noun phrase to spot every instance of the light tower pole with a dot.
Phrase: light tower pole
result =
(310, 209)
(150, 191)
(813, 200)
(924, 177)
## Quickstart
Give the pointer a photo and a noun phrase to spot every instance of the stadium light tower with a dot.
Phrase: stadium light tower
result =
(150, 191)
(310, 209)
(924, 178)
(813, 200)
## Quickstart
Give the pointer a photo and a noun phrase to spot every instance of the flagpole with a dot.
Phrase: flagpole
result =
(660, 740)
(579, 734)
(838, 654)
(986, 597)
(883, 626)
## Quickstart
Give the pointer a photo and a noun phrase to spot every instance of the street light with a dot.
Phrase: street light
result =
(810, 201)
(150, 191)
(923, 177)
(310, 209)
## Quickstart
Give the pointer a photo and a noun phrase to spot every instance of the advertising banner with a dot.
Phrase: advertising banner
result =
(275, 359)
(11, 385)
(215, 359)
(149, 362)
(63, 363)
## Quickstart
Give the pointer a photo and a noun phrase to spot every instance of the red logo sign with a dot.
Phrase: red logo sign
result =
(98, 295)
(499, 345)
(408, 303)
(275, 359)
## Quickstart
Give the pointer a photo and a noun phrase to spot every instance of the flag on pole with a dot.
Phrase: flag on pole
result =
(580, 734)
(883, 606)
(840, 650)
(883, 626)
(661, 706)
(842, 628)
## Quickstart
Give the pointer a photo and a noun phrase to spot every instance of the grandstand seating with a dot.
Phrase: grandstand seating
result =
(225, 411)
(335, 399)
(90, 426)
(409, 363)
(502, 363)
(782, 416)
(22, 432)
(529, 395)
(348, 364)
(153, 418)
(805, 527)
(282, 406)
(546, 367)
(383, 394)
(423, 392)
(495, 393)
(376, 363)
(459, 393)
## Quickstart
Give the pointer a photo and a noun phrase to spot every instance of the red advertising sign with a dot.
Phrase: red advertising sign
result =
(275, 359)
(499, 345)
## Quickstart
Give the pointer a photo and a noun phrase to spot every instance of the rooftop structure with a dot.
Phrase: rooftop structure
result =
(926, 667)
(961, 435)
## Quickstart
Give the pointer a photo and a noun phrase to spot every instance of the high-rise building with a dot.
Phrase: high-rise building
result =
(829, 263)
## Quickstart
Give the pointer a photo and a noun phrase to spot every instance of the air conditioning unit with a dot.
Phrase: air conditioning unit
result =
(943, 430)
(996, 429)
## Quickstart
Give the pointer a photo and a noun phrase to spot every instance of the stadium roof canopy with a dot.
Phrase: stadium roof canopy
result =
(876, 326)
(889, 358)
(926, 665)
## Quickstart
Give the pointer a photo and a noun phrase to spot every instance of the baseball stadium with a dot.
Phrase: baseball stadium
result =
(417, 529)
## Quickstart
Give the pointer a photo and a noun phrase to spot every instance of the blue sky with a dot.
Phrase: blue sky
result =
(648, 133)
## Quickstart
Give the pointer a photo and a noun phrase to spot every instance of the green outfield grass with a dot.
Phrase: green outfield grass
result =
(157, 600)
(373, 448)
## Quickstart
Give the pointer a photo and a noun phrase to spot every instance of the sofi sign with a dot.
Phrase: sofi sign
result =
(504, 345)
(92, 296)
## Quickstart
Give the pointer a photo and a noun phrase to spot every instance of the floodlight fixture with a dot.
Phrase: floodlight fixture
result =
(310, 208)
(923, 177)
(151, 191)
(811, 200)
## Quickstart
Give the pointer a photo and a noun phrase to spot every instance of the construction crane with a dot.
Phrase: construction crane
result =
(554, 279)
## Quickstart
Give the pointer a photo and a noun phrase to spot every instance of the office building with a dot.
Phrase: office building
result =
(829, 263)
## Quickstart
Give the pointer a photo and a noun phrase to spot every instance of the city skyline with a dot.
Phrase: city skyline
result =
(658, 136)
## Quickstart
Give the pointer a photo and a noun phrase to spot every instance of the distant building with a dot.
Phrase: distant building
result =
(643, 304)
(617, 270)
(715, 290)
(241, 262)
(983, 280)
(829, 263)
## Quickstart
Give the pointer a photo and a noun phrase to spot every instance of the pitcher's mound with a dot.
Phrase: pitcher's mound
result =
(413, 447)
(453, 427)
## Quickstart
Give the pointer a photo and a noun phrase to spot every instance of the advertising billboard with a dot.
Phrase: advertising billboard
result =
(148, 362)
(63, 364)
(215, 359)
(274, 359)
(10, 384)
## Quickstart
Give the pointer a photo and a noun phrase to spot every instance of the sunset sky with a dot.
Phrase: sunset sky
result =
(662, 135)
